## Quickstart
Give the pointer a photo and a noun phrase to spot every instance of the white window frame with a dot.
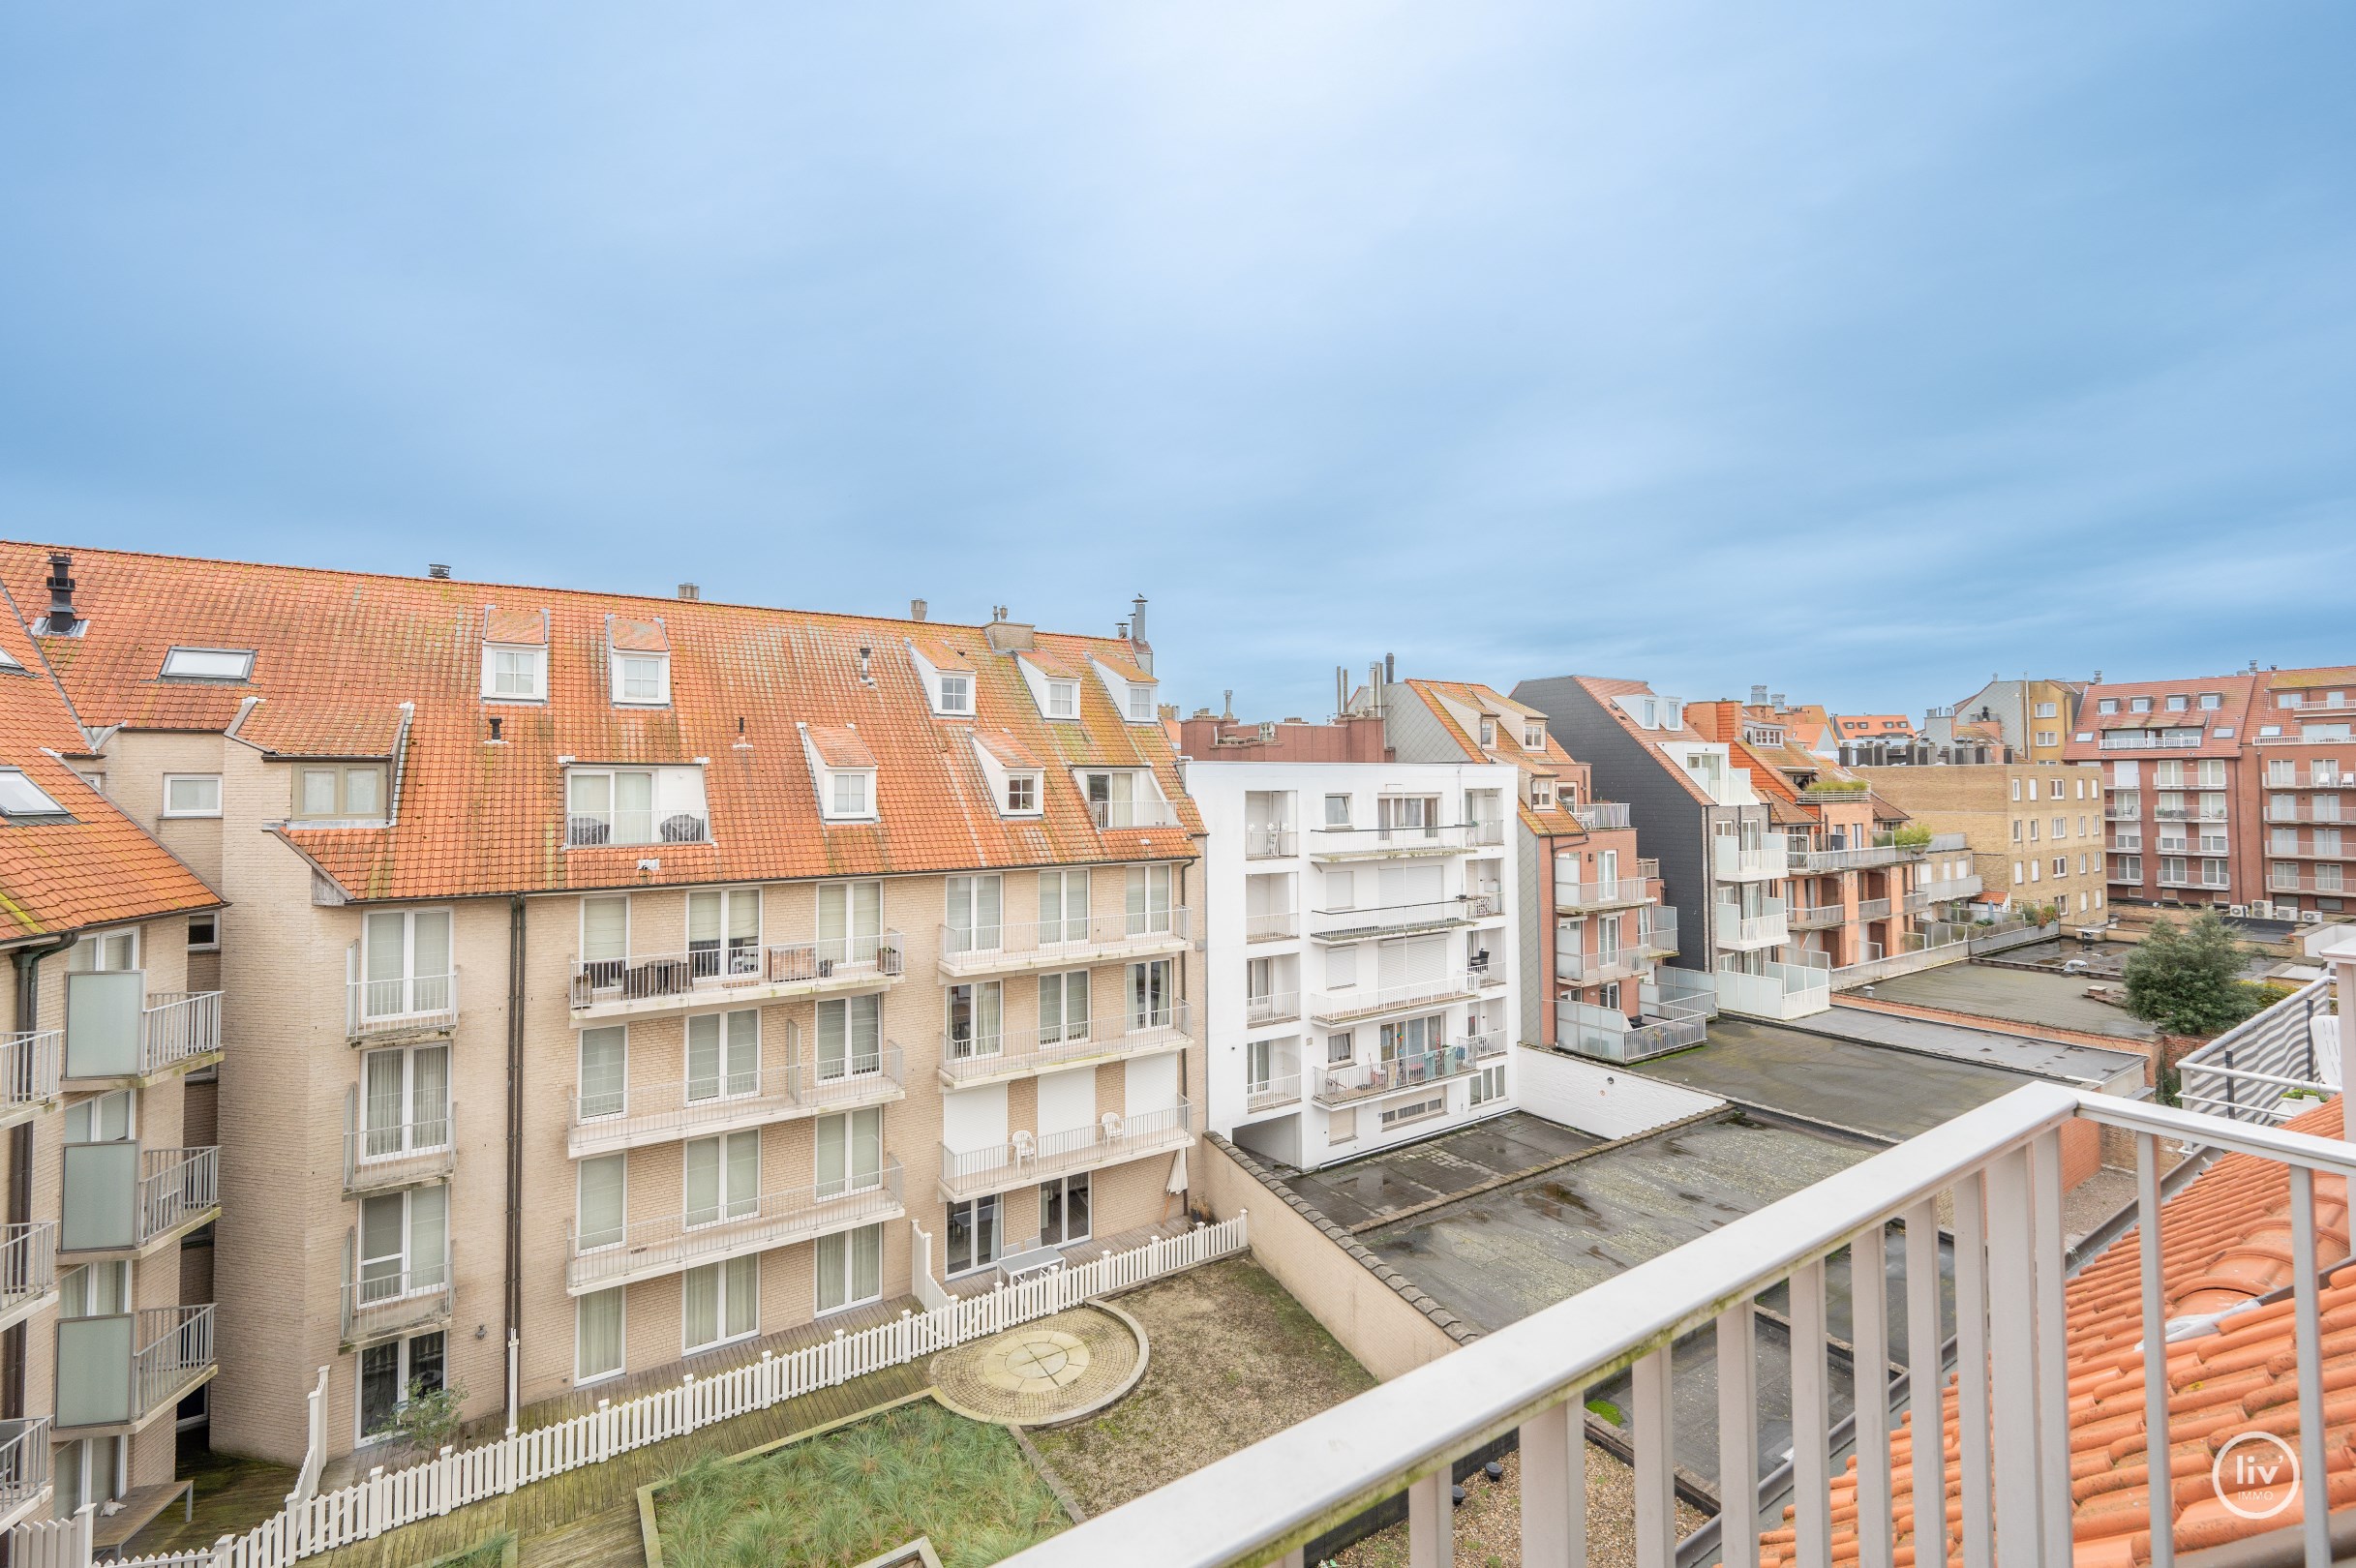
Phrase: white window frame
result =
(623, 662)
(534, 667)
(831, 808)
(993, 1203)
(721, 1300)
(1541, 793)
(846, 1241)
(359, 1382)
(1020, 785)
(409, 976)
(167, 809)
(32, 800)
(342, 773)
(242, 673)
(1140, 696)
(1534, 736)
(582, 1377)
(963, 704)
(1063, 699)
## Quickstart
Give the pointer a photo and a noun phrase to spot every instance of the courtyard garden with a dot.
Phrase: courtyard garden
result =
(845, 1495)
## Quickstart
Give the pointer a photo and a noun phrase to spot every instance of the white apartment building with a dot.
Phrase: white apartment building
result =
(1362, 959)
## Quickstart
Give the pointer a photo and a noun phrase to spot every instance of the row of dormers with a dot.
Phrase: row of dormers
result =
(1054, 684)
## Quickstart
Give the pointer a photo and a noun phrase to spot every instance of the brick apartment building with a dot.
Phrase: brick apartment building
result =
(2227, 790)
(632, 977)
(2033, 832)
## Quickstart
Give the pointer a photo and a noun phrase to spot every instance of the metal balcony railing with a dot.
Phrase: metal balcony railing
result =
(1155, 813)
(1608, 1033)
(397, 1143)
(1374, 920)
(179, 1025)
(1273, 926)
(1604, 964)
(1660, 932)
(404, 1004)
(28, 1263)
(761, 973)
(644, 1248)
(177, 1346)
(593, 829)
(1815, 917)
(1601, 815)
(1076, 939)
(1327, 842)
(30, 1063)
(1270, 1006)
(1363, 1080)
(1111, 1139)
(637, 1113)
(175, 1185)
(388, 1297)
(1873, 908)
(1011, 1052)
(1272, 1093)
(1270, 843)
(1616, 893)
(1766, 928)
(25, 1462)
(1368, 1000)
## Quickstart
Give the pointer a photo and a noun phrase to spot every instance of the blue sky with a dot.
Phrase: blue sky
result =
(1862, 352)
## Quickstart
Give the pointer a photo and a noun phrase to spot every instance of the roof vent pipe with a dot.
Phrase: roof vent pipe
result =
(916, 609)
(864, 678)
(1390, 670)
(1137, 620)
(439, 570)
(496, 722)
(62, 618)
(1228, 712)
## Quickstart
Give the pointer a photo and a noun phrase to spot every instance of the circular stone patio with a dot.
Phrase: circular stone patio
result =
(1045, 1372)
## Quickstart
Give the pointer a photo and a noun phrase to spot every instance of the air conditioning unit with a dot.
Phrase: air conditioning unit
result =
(2310, 917)
(2237, 911)
(2261, 910)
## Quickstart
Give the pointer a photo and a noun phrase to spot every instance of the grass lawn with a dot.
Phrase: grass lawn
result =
(1233, 1358)
(854, 1493)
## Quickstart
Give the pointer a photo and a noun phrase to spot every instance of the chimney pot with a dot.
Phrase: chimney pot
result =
(916, 609)
(1137, 620)
(62, 618)
(688, 590)
(438, 569)
(496, 721)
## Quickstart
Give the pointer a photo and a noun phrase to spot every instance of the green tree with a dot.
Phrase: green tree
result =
(429, 1419)
(2187, 980)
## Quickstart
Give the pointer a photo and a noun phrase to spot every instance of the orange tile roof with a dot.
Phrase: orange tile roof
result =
(2224, 1242)
(2309, 680)
(473, 818)
(1855, 724)
(521, 627)
(97, 867)
(632, 635)
(1551, 760)
(838, 746)
(1605, 688)
(1010, 752)
(297, 729)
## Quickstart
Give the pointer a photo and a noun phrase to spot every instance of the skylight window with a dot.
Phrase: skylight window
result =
(21, 796)
(208, 664)
(9, 663)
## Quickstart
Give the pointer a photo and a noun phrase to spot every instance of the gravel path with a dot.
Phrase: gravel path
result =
(1488, 1525)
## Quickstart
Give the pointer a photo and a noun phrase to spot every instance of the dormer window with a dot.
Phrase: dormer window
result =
(635, 805)
(843, 771)
(1063, 699)
(1013, 773)
(515, 655)
(2139, 704)
(642, 679)
(949, 679)
(1542, 792)
(2177, 705)
(1534, 736)
(956, 692)
(338, 792)
(1488, 733)
(1022, 794)
(1140, 704)
(638, 661)
(21, 798)
(1130, 688)
(227, 664)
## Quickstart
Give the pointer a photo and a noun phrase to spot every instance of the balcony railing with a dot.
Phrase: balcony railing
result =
(1997, 1169)
(1600, 814)
(1077, 940)
(120, 1369)
(1272, 1093)
(1781, 991)
(1375, 920)
(646, 1248)
(116, 1029)
(1608, 1033)
(1270, 1006)
(405, 1004)
(1606, 964)
(1765, 929)
(1341, 843)
(1772, 859)
(1660, 932)
(1815, 917)
(119, 1197)
(2147, 741)
(2127, 843)
(748, 973)
(639, 1115)
(1111, 1139)
(1873, 908)
(390, 1297)
(2278, 881)
(1132, 814)
(1615, 893)
(1363, 1080)
(593, 830)
(400, 1145)
(1275, 925)
(1369, 1001)
(1015, 1052)
(28, 1265)
(1270, 843)
(177, 1027)
(1947, 843)
(30, 1063)
(2267, 1067)
(24, 1463)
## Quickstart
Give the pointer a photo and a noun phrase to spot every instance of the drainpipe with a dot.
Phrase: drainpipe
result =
(20, 1168)
(514, 1313)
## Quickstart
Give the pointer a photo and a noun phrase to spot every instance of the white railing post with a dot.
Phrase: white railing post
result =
(1811, 1419)
(1430, 1520)
(2155, 1350)
(1554, 1486)
(2013, 1357)
(1972, 1354)
(1738, 1436)
(1655, 1437)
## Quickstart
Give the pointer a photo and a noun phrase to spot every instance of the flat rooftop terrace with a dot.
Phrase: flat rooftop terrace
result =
(2021, 995)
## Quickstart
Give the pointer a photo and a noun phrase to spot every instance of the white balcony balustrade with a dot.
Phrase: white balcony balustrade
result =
(1094, 939)
(1273, 926)
(667, 1244)
(1272, 1093)
(1601, 815)
(635, 1115)
(1347, 1084)
(28, 1269)
(118, 1032)
(1779, 991)
(1362, 922)
(1609, 892)
(121, 1199)
(745, 975)
(1873, 908)
(1270, 843)
(1271, 1007)
(1602, 965)
(1153, 813)
(1612, 1036)
(120, 1370)
(1997, 1169)
(24, 1467)
(1660, 932)
(1741, 932)
(1026, 1157)
(1372, 1001)
(396, 1143)
(1731, 863)
(1815, 917)
(385, 1297)
(1361, 843)
(31, 1063)
(1014, 1054)
(401, 1005)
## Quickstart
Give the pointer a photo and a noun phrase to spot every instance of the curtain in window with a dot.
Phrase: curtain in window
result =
(866, 1264)
(429, 1236)
(704, 1056)
(604, 1072)
(430, 1097)
(597, 1333)
(701, 1304)
(605, 928)
(381, 1103)
(834, 1283)
(601, 1199)
(742, 1279)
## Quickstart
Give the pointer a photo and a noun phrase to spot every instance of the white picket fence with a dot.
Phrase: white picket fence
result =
(385, 1502)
